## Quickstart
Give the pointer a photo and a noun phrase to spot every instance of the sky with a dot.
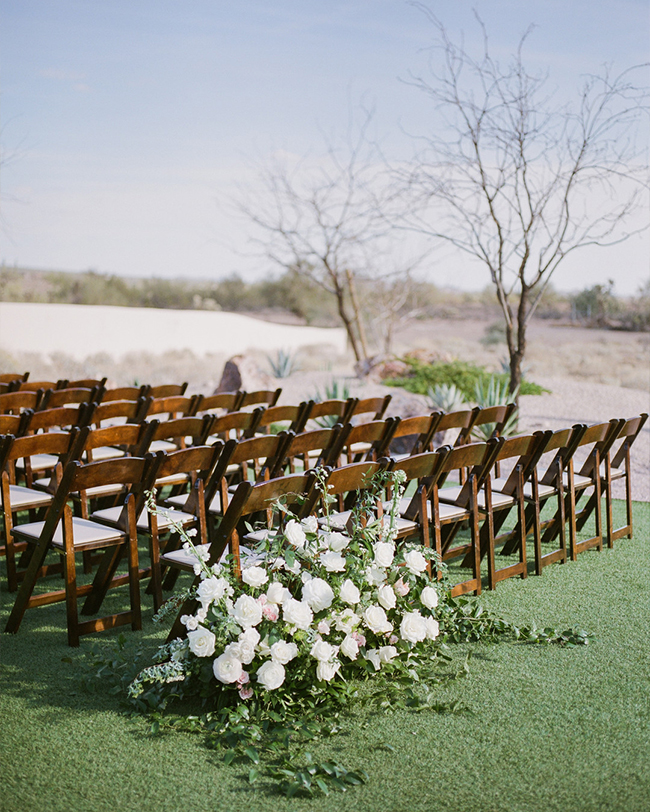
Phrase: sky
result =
(126, 127)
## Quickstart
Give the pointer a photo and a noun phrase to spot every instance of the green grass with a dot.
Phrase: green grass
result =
(546, 728)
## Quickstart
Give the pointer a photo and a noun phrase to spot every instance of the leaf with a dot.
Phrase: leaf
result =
(229, 757)
(252, 754)
(323, 786)
(253, 775)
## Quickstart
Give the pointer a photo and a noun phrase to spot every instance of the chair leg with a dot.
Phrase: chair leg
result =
(70, 580)
(134, 584)
(102, 580)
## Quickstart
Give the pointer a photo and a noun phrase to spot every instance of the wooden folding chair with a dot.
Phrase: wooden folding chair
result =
(35, 386)
(287, 418)
(173, 435)
(53, 398)
(365, 439)
(269, 397)
(237, 425)
(117, 412)
(249, 500)
(125, 393)
(461, 421)
(326, 413)
(88, 383)
(19, 498)
(174, 406)
(312, 449)
(68, 535)
(221, 403)
(371, 406)
(17, 402)
(346, 483)
(490, 421)
(15, 424)
(412, 435)
(616, 467)
(14, 377)
(168, 390)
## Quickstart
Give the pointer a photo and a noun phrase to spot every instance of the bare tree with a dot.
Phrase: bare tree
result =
(518, 181)
(322, 218)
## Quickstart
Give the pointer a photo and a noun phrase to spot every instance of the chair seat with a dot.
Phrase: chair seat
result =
(162, 445)
(91, 493)
(578, 480)
(544, 490)
(85, 533)
(106, 452)
(172, 479)
(359, 448)
(184, 559)
(23, 498)
(39, 462)
(446, 512)
(499, 500)
(112, 514)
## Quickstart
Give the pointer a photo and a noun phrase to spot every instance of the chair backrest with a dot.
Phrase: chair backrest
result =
(62, 417)
(223, 401)
(167, 390)
(87, 383)
(376, 433)
(200, 461)
(526, 451)
(412, 435)
(600, 438)
(54, 398)
(130, 411)
(268, 396)
(463, 420)
(295, 416)
(242, 424)
(627, 434)
(125, 393)
(15, 424)
(198, 428)
(329, 442)
(61, 444)
(476, 458)
(492, 419)
(564, 442)
(173, 405)
(374, 406)
(17, 402)
(12, 377)
(133, 438)
(349, 480)
(35, 386)
(329, 412)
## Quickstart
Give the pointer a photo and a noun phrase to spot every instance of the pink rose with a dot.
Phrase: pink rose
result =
(271, 612)
(262, 600)
(393, 639)
(401, 588)
(245, 693)
(361, 640)
(244, 678)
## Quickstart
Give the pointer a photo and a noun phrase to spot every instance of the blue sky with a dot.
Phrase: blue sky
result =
(126, 125)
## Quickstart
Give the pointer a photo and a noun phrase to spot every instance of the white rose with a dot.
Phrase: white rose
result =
(336, 541)
(375, 575)
(201, 642)
(327, 671)
(333, 562)
(415, 561)
(254, 576)
(310, 524)
(387, 653)
(294, 533)
(375, 619)
(429, 597)
(276, 593)
(322, 651)
(318, 594)
(297, 613)
(413, 628)
(227, 668)
(346, 621)
(386, 596)
(280, 564)
(349, 593)
(246, 643)
(247, 611)
(349, 647)
(283, 652)
(271, 675)
(211, 590)
(433, 628)
(373, 656)
(384, 553)
(190, 622)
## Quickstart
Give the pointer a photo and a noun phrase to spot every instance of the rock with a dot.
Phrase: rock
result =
(242, 372)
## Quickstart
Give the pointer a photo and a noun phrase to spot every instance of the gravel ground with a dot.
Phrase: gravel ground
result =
(570, 401)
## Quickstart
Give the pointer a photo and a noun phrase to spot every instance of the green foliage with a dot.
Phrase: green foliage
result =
(334, 390)
(597, 305)
(462, 374)
(495, 393)
(284, 363)
(445, 397)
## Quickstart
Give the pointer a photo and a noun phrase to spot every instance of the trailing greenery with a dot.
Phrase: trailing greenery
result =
(462, 374)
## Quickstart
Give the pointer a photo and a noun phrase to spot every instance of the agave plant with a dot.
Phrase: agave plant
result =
(495, 393)
(284, 363)
(445, 396)
(334, 390)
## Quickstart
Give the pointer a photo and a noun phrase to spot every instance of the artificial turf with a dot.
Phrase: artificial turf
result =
(545, 728)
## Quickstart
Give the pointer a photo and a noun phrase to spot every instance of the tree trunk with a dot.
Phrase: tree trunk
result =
(519, 350)
(347, 321)
(357, 314)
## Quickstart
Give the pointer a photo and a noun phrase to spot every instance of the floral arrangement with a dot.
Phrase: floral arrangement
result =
(317, 605)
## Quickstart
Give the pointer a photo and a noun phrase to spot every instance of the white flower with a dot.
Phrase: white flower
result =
(211, 590)
(349, 647)
(201, 614)
(349, 593)
(310, 524)
(246, 643)
(327, 671)
(322, 650)
(346, 621)
(271, 675)
(384, 553)
(280, 564)
(386, 596)
(375, 575)
(415, 561)
(387, 653)
(283, 652)
(318, 594)
(254, 576)
(247, 611)
(336, 541)
(297, 613)
(375, 619)
(276, 593)
(413, 628)
(429, 597)
(294, 533)
(201, 642)
(433, 628)
(227, 668)
(373, 656)
(333, 562)
(190, 622)
(401, 588)
(323, 627)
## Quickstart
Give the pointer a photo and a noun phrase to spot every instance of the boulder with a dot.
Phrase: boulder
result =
(242, 372)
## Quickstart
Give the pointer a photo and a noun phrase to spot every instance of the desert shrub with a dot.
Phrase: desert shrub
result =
(445, 397)
(462, 374)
